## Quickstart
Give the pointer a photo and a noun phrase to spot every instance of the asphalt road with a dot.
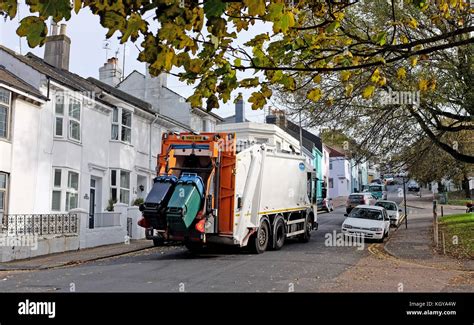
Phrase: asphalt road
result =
(298, 266)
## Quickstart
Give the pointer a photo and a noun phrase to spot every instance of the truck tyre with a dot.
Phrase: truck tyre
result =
(158, 242)
(279, 233)
(194, 248)
(306, 236)
(259, 241)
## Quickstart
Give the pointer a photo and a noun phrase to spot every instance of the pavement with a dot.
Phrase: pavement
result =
(76, 257)
(415, 242)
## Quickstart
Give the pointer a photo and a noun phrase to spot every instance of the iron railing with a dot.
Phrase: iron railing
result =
(41, 224)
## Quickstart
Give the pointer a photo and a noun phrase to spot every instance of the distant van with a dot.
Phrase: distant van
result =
(377, 190)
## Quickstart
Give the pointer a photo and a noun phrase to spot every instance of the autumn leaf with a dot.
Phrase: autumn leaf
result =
(401, 73)
(368, 92)
(256, 7)
(345, 75)
(348, 90)
(314, 94)
(423, 85)
(34, 29)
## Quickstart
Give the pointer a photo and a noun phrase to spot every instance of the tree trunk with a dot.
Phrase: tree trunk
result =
(465, 187)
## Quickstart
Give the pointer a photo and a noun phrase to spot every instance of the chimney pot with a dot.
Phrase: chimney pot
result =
(54, 29)
(63, 29)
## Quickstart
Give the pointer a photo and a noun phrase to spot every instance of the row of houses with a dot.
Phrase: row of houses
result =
(70, 142)
(337, 174)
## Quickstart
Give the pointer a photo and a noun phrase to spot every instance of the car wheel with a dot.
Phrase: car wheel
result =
(158, 242)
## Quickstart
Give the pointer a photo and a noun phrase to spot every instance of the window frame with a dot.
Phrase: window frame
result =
(119, 124)
(8, 106)
(67, 117)
(64, 189)
(118, 185)
(5, 190)
(71, 119)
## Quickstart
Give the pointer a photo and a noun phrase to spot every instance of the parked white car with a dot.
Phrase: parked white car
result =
(394, 212)
(369, 221)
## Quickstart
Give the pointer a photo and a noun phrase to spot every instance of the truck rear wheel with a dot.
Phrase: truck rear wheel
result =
(279, 233)
(306, 236)
(158, 242)
(194, 248)
(259, 241)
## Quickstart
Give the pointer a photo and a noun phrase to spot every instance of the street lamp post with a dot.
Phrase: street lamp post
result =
(405, 202)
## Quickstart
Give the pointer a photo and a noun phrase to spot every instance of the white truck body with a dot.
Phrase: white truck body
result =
(269, 183)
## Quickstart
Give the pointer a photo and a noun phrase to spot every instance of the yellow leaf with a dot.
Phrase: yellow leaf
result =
(401, 73)
(404, 39)
(368, 92)
(339, 15)
(345, 75)
(432, 84)
(317, 79)
(423, 85)
(413, 61)
(412, 23)
(382, 82)
(314, 94)
(349, 88)
(375, 76)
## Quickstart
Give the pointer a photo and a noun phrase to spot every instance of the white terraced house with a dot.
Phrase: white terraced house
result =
(67, 142)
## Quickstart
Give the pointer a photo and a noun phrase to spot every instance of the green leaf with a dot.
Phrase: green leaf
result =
(8, 7)
(58, 9)
(381, 38)
(35, 30)
(135, 24)
(214, 8)
(275, 11)
(333, 26)
(113, 21)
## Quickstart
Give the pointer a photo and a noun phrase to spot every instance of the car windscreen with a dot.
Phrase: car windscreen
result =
(375, 188)
(387, 205)
(366, 214)
(356, 197)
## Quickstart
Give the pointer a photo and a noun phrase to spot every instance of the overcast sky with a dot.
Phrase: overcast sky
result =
(88, 53)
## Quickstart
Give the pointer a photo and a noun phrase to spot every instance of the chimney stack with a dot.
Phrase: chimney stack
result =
(277, 117)
(58, 47)
(110, 73)
(240, 110)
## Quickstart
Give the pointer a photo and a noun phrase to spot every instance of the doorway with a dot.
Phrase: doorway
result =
(94, 199)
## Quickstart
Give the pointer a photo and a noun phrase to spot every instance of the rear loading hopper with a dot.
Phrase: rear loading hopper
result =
(185, 203)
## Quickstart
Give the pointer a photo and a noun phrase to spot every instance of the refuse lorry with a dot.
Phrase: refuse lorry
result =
(206, 193)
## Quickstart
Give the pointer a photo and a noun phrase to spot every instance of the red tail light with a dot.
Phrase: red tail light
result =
(201, 225)
(143, 223)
